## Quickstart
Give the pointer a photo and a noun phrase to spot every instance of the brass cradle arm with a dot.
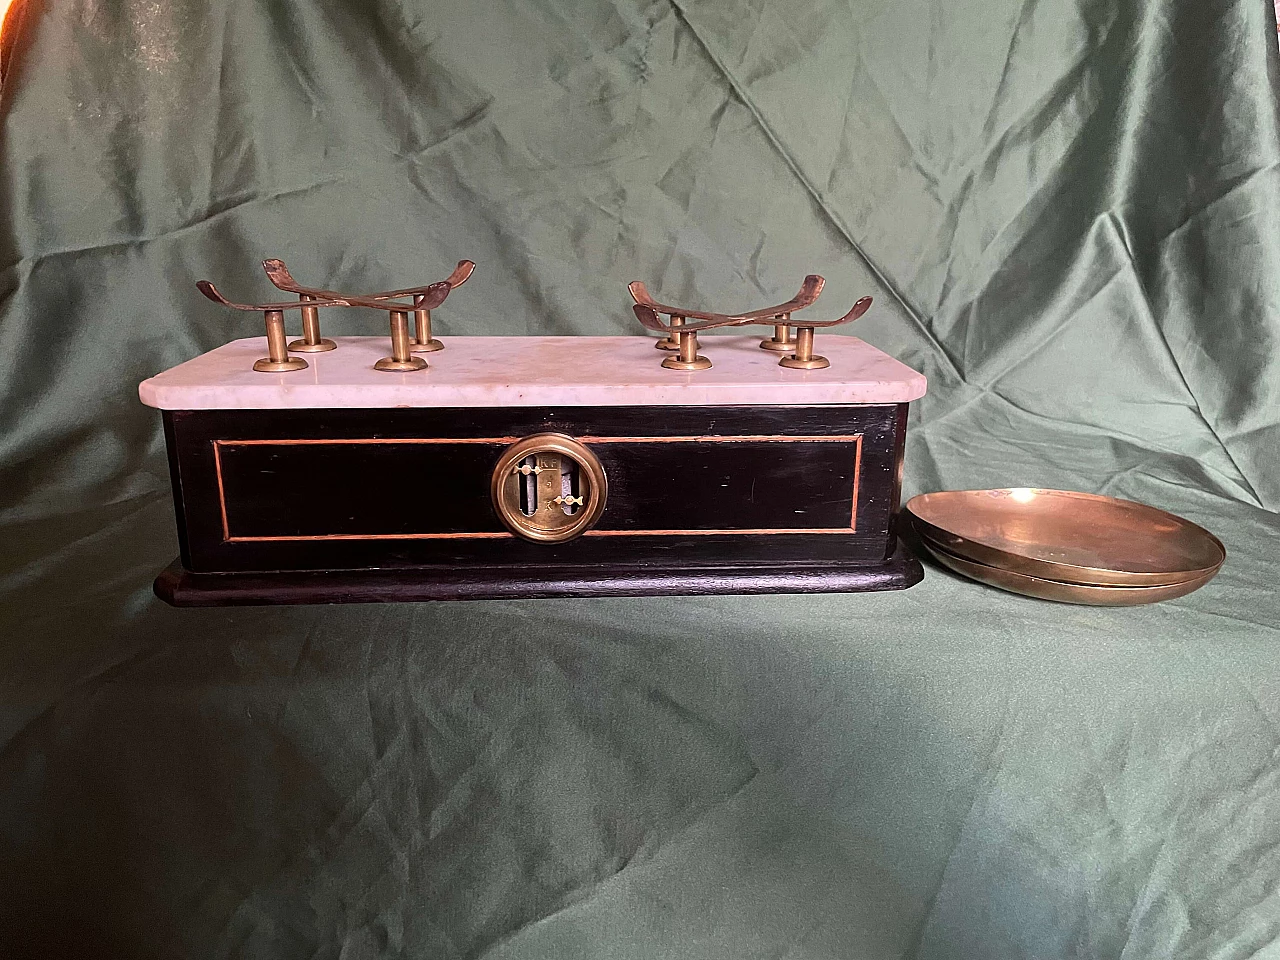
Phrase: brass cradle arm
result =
(684, 326)
(310, 300)
(808, 295)
(425, 297)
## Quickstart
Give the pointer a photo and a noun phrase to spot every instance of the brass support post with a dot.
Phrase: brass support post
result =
(311, 341)
(781, 341)
(688, 358)
(804, 357)
(672, 341)
(401, 360)
(277, 359)
(422, 341)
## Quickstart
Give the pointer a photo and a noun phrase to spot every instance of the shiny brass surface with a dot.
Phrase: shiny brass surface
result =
(687, 358)
(554, 516)
(781, 341)
(1080, 593)
(401, 360)
(809, 291)
(1066, 536)
(392, 365)
(648, 310)
(672, 340)
(804, 358)
(277, 359)
(311, 341)
(432, 295)
(310, 300)
(422, 340)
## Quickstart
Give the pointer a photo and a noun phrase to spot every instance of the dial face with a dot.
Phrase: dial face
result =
(548, 488)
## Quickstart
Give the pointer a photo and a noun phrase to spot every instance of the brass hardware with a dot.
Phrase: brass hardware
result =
(781, 341)
(278, 359)
(425, 299)
(688, 358)
(1067, 537)
(672, 340)
(310, 300)
(401, 360)
(422, 340)
(434, 293)
(536, 500)
(804, 358)
(311, 341)
(1082, 593)
(683, 334)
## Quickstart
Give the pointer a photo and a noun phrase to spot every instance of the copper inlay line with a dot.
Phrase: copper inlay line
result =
(743, 438)
(363, 440)
(374, 536)
(737, 438)
(855, 438)
(737, 531)
(857, 473)
(222, 496)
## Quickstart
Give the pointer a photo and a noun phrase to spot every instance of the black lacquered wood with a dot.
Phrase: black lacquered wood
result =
(181, 588)
(310, 489)
(689, 487)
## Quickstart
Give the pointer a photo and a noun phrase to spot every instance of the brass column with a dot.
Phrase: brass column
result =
(688, 358)
(781, 341)
(401, 360)
(804, 358)
(311, 341)
(422, 340)
(672, 341)
(277, 359)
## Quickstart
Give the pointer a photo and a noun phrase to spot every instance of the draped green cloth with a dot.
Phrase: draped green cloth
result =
(1068, 215)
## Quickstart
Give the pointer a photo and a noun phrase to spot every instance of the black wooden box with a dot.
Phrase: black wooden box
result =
(322, 487)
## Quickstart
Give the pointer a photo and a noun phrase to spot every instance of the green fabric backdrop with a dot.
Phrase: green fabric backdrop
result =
(1067, 213)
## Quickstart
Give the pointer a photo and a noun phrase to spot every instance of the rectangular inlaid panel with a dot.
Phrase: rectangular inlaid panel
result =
(303, 489)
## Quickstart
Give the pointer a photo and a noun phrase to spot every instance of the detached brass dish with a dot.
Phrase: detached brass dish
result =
(1072, 538)
(1088, 594)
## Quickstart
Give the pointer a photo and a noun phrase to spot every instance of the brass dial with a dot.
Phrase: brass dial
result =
(548, 488)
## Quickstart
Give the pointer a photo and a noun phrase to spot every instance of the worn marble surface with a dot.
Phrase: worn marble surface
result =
(532, 371)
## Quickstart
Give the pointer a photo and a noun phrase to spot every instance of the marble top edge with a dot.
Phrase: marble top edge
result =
(534, 371)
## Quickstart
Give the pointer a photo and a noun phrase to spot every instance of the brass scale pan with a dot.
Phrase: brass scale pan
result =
(1066, 546)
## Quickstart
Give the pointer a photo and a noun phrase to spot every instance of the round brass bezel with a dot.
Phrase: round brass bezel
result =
(590, 470)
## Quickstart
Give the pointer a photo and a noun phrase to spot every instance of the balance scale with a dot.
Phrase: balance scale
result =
(353, 470)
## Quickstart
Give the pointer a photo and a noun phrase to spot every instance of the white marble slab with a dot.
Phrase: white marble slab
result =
(532, 371)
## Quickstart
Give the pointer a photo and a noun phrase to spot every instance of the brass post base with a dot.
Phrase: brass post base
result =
(301, 346)
(267, 365)
(813, 363)
(667, 344)
(431, 346)
(675, 363)
(779, 346)
(400, 366)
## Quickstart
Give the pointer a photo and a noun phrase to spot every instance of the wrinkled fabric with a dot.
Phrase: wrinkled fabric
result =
(1067, 216)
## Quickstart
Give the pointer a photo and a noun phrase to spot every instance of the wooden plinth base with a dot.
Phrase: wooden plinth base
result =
(181, 588)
